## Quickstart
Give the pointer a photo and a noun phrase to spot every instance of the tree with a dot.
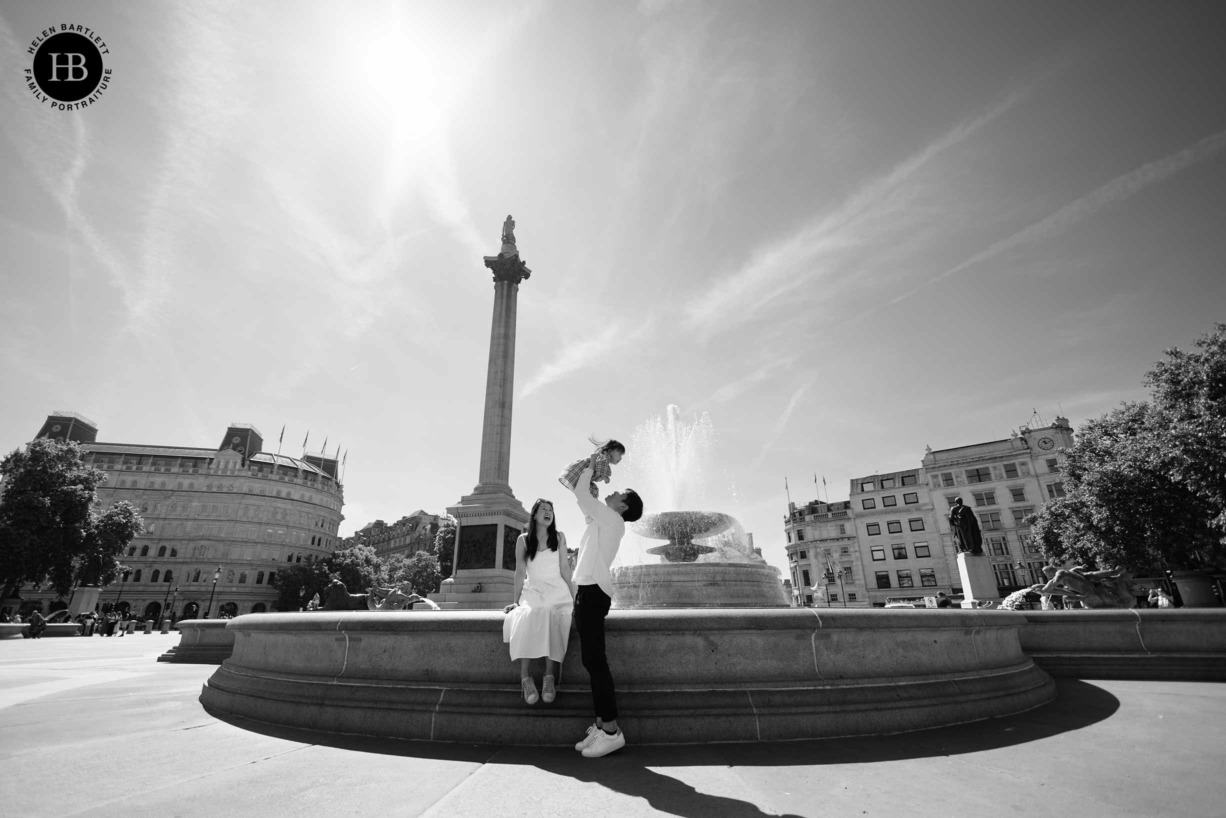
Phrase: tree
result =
(299, 582)
(50, 530)
(358, 567)
(421, 570)
(444, 545)
(1146, 483)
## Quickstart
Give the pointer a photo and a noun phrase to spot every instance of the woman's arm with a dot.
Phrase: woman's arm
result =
(564, 564)
(521, 569)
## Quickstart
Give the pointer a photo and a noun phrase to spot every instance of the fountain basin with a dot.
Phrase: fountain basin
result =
(698, 585)
(682, 675)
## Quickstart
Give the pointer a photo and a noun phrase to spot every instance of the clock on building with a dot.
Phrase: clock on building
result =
(1046, 443)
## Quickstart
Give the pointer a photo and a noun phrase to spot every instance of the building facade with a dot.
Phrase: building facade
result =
(406, 536)
(219, 522)
(892, 540)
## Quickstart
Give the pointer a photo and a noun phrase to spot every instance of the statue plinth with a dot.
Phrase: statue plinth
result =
(978, 579)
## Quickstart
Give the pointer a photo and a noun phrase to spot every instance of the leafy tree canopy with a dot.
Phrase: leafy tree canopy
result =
(1146, 483)
(444, 545)
(50, 529)
(420, 569)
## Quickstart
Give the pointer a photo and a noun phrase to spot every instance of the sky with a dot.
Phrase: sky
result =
(843, 231)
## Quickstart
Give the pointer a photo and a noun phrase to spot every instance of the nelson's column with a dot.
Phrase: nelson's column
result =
(490, 519)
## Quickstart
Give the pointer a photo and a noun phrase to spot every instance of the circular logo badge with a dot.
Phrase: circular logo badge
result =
(68, 67)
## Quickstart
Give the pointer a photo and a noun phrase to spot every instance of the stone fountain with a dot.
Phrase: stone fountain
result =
(689, 571)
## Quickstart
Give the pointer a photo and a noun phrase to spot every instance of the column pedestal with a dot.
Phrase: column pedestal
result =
(487, 525)
(978, 580)
(84, 600)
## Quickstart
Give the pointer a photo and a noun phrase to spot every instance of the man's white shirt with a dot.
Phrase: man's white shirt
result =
(601, 538)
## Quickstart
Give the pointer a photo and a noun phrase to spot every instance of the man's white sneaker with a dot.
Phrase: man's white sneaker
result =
(604, 744)
(592, 730)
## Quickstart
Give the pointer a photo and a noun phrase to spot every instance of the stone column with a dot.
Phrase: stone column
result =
(490, 518)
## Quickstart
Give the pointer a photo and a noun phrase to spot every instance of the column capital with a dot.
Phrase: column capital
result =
(508, 268)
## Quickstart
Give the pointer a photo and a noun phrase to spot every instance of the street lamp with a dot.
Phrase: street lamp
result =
(121, 584)
(173, 600)
(216, 576)
(166, 596)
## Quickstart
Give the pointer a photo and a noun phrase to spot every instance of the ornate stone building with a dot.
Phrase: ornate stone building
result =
(406, 536)
(233, 511)
(891, 540)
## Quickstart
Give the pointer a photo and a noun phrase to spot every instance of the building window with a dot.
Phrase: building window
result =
(789, 536)
(132, 551)
(949, 499)
(136, 576)
(900, 552)
(916, 524)
(833, 598)
(1055, 490)
(883, 579)
(851, 597)
(804, 555)
(873, 529)
(144, 552)
(1010, 470)
(947, 479)
(999, 546)
(866, 485)
(928, 577)
(271, 576)
(878, 553)
(887, 482)
(984, 498)
(168, 577)
(894, 526)
(242, 577)
(196, 575)
(800, 535)
(154, 576)
(910, 480)
(868, 503)
(842, 526)
(1004, 575)
(1053, 464)
(904, 580)
(910, 498)
(290, 558)
(1020, 514)
(889, 500)
(921, 550)
(989, 520)
(982, 475)
(162, 551)
(1018, 493)
(805, 578)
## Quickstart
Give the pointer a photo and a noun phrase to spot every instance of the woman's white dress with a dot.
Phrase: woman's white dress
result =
(540, 626)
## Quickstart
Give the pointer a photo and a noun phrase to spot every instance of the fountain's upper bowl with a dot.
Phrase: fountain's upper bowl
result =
(682, 526)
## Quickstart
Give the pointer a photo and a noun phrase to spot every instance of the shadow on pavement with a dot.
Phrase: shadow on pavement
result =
(633, 772)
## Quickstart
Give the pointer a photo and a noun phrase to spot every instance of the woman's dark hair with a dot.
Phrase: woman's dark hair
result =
(531, 543)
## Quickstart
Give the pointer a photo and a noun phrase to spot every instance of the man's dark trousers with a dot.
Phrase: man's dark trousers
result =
(591, 608)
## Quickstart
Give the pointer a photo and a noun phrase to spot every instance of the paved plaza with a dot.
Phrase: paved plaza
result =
(98, 727)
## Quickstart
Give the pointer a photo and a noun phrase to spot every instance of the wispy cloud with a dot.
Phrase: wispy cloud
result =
(781, 424)
(1114, 192)
(579, 355)
(876, 213)
(762, 370)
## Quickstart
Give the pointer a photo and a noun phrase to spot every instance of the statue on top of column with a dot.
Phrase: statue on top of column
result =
(508, 238)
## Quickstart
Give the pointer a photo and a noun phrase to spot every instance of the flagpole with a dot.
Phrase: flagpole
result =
(787, 490)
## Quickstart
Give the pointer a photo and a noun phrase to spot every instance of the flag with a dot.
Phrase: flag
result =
(346, 457)
(282, 437)
(823, 481)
